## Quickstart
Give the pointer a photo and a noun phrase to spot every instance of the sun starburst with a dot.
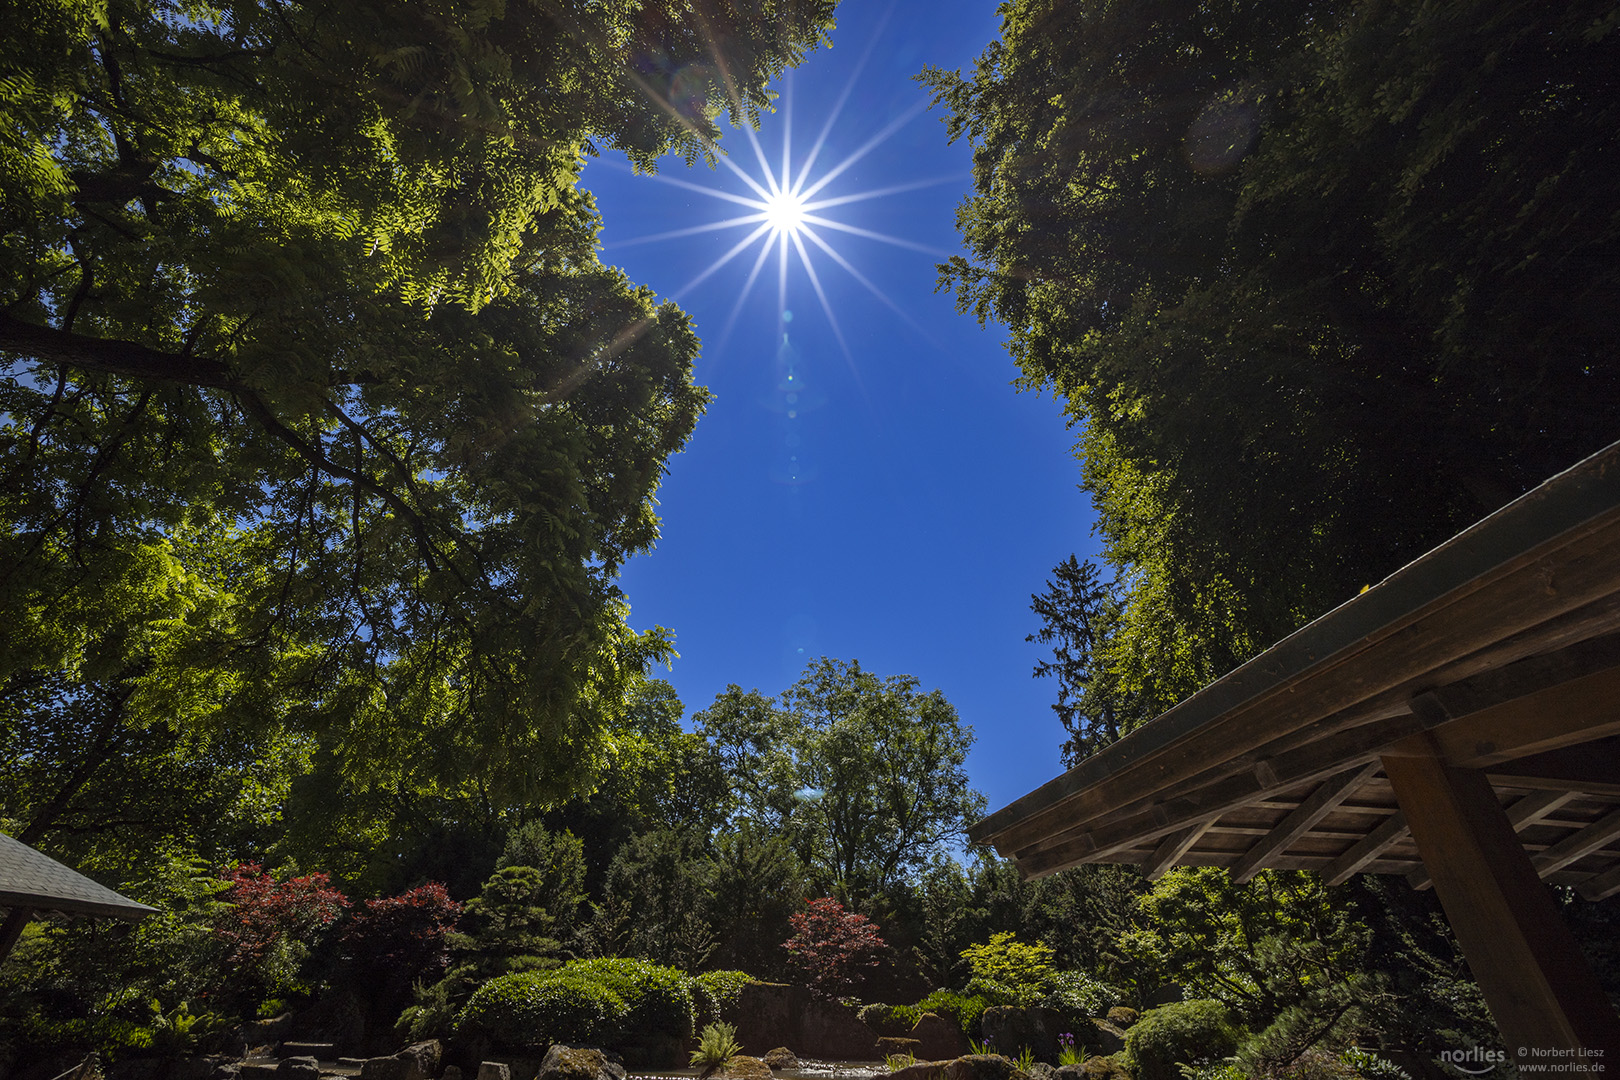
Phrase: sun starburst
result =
(785, 207)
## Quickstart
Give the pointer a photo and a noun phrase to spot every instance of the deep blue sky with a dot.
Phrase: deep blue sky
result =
(903, 506)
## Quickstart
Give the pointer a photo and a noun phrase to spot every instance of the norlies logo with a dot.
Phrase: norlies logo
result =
(1474, 1061)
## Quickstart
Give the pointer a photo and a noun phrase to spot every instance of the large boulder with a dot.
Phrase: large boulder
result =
(982, 1067)
(298, 1068)
(1012, 1029)
(781, 1058)
(743, 1067)
(939, 1039)
(776, 1014)
(578, 1063)
(893, 1046)
(422, 1059)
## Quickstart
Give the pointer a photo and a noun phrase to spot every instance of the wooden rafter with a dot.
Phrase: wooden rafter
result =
(1578, 845)
(1380, 840)
(1172, 848)
(1320, 803)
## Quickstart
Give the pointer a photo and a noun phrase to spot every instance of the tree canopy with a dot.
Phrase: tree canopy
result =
(863, 774)
(318, 412)
(1319, 282)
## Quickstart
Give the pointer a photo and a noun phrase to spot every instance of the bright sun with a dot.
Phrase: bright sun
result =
(784, 211)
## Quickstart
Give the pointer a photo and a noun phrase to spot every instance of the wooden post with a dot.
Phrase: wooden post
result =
(1542, 994)
(12, 929)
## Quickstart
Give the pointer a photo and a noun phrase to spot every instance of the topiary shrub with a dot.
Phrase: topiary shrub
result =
(538, 1008)
(1183, 1033)
(659, 999)
(965, 1009)
(891, 1020)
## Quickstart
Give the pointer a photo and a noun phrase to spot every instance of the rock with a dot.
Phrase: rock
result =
(898, 1047)
(267, 1032)
(1103, 1068)
(451, 1072)
(257, 1070)
(320, 1051)
(743, 1067)
(1013, 1029)
(351, 1063)
(576, 1063)
(781, 1058)
(1105, 1038)
(422, 1059)
(830, 1030)
(384, 1068)
(982, 1067)
(1122, 1016)
(131, 1069)
(298, 1068)
(230, 1070)
(939, 1039)
(198, 1068)
(1040, 1070)
(494, 1070)
(923, 1070)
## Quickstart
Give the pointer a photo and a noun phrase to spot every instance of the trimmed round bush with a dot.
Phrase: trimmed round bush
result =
(891, 1020)
(659, 999)
(1182, 1033)
(538, 1008)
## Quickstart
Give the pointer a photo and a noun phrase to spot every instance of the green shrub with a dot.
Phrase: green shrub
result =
(725, 986)
(1186, 1032)
(1008, 968)
(1078, 994)
(537, 1008)
(894, 1020)
(965, 1009)
(659, 999)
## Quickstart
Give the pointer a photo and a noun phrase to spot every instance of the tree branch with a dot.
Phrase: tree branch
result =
(112, 356)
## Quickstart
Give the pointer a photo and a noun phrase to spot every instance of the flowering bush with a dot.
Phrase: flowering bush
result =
(833, 946)
(271, 927)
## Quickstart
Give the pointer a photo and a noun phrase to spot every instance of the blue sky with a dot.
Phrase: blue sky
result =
(896, 503)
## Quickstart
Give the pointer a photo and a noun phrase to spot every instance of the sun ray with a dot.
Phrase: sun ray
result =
(736, 250)
(866, 148)
(695, 230)
(878, 193)
(828, 223)
(742, 297)
(826, 305)
(675, 181)
(843, 96)
(781, 281)
(870, 287)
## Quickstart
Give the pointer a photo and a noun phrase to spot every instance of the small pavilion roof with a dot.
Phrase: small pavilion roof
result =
(1502, 643)
(32, 879)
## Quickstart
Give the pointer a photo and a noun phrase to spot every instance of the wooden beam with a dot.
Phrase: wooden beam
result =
(1392, 635)
(1578, 711)
(1334, 742)
(1578, 845)
(1380, 840)
(1172, 848)
(1600, 887)
(1320, 803)
(1524, 813)
(1593, 767)
(1537, 984)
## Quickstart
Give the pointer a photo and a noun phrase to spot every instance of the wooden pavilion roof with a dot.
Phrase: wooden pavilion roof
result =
(1503, 644)
(33, 881)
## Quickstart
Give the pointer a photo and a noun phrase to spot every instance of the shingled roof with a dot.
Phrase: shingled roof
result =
(32, 879)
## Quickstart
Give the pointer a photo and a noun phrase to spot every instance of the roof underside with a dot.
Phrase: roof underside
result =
(1503, 644)
(31, 879)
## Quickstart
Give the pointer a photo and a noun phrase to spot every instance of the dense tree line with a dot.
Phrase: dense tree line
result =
(1320, 283)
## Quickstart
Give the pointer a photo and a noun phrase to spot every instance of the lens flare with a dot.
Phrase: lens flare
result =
(785, 212)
